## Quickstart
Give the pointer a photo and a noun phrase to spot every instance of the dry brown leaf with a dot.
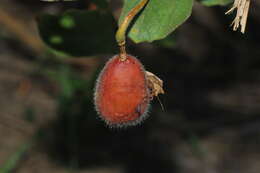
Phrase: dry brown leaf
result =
(155, 84)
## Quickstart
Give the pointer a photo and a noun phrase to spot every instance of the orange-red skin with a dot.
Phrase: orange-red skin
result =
(121, 93)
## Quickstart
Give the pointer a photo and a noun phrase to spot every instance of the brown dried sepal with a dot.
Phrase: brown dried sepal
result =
(155, 84)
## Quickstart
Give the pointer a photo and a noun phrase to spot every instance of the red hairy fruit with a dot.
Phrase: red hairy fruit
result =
(122, 95)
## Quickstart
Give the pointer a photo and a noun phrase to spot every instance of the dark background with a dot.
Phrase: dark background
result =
(211, 117)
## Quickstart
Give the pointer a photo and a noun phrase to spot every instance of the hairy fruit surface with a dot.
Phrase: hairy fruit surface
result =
(122, 95)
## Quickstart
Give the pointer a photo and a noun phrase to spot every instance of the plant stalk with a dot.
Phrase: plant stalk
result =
(121, 32)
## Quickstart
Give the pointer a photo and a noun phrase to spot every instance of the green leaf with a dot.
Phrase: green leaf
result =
(215, 2)
(158, 19)
(79, 33)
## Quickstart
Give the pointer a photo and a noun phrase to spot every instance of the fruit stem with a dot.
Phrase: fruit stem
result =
(121, 32)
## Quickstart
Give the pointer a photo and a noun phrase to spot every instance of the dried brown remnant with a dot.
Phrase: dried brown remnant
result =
(242, 8)
(155, 84)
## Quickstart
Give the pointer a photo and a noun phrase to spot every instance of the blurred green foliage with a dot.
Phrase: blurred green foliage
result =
(79, 33)
(12, 162)
(101, 3)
